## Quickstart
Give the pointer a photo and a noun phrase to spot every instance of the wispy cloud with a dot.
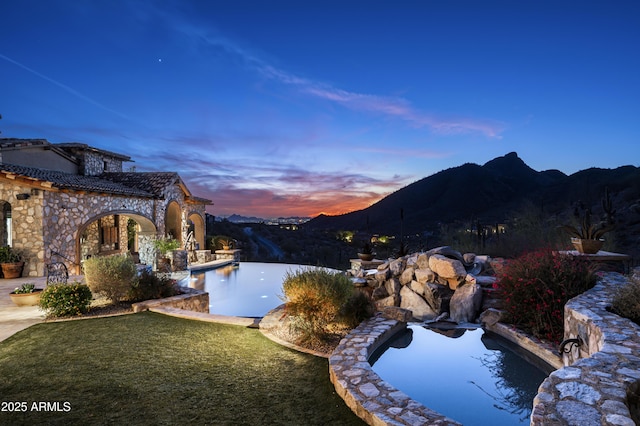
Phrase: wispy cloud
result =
(393, 107)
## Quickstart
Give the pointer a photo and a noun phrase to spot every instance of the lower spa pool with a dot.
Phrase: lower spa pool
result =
(470, 376)
(250, 289)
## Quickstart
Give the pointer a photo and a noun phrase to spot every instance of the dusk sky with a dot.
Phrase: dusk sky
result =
(282, 108)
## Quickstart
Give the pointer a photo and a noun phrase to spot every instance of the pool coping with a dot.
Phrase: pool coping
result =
(367, 394)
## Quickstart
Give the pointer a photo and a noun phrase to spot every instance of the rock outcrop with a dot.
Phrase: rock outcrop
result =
(429, 284)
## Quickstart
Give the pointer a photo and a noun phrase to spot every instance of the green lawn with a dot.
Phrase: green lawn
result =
(153, 369)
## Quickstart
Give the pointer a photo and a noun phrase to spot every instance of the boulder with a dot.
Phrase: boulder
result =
(490, 317)
(423, 261)
(424, 275)
(396, 267)
(407, 276)
(446, 251)
(380, 292)
(387, 301)
(383, 265)
(465, 303)
(416, 304)
(383, 275)
(417, 287)
(438, 296)
(393, 286)
(397, 313)
(469, 258)
(412, 260)
(450, 269)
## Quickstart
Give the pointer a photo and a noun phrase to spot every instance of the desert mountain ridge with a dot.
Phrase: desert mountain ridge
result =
(491, 193)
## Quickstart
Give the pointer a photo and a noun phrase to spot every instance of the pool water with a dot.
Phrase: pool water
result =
(472, 377)
(249, 289)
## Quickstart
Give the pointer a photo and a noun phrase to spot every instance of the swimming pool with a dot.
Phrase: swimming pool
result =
(472, 377)
(249, 289)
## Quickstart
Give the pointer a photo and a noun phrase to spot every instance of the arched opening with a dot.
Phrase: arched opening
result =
(196, 224)
(173, 221)
(117, 232)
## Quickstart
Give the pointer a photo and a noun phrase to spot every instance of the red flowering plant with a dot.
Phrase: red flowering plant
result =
(535, 287)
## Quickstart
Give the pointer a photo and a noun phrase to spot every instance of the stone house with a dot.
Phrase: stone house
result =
(66, 202)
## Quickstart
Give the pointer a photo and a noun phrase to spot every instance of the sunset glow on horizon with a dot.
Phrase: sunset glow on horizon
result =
(285, 108)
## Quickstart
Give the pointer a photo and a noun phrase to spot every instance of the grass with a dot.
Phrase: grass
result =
(153, 369)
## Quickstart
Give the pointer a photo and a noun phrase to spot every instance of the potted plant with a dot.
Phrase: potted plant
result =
(226, 243)
(164, 245)
(366, 253)
(11, 261)
(588, 238)
(26, 295)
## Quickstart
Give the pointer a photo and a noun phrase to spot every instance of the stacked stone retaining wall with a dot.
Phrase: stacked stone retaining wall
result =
(600, 382)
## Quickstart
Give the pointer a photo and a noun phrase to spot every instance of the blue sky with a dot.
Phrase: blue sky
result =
(277, 108)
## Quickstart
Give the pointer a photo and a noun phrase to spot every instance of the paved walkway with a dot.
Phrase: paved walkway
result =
(14, 318)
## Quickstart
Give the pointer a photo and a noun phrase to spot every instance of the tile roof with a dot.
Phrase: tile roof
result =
(75, 182)
(153, 182)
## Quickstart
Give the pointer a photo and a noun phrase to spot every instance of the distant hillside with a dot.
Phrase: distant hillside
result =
(490, 193)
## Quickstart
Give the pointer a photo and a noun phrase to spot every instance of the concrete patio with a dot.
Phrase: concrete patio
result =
(14, 318)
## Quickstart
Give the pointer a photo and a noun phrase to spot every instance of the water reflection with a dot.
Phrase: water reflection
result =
(250, 289)
(473, 377)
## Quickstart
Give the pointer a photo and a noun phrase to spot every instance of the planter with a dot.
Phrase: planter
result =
(26, 299)
(12, 270)
(587, 246)
(365, 256)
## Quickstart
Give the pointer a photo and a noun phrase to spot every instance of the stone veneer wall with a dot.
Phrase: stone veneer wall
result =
(94, 163)
(64, 214)
(601, 382)
(50, 220)
(26, 216)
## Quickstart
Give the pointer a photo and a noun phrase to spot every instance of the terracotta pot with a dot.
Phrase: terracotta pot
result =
(12, 270)
(26, 299)
(587, 246)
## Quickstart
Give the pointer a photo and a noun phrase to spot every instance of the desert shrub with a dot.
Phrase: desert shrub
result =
(152, 286)
(535, 287)
(626, 301)
(110, 276)
(60, 300)
(314, 299)
(357, 308)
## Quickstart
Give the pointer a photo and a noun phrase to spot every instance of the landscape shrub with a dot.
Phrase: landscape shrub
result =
(314, 300)
(152, 286)
(535, 287)
(60, 300)
(357, 308)
(110, 276)
(626, 301)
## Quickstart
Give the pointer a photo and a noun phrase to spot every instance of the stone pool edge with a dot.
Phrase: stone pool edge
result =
(603, 373)
(365, 393)
(566, 395)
